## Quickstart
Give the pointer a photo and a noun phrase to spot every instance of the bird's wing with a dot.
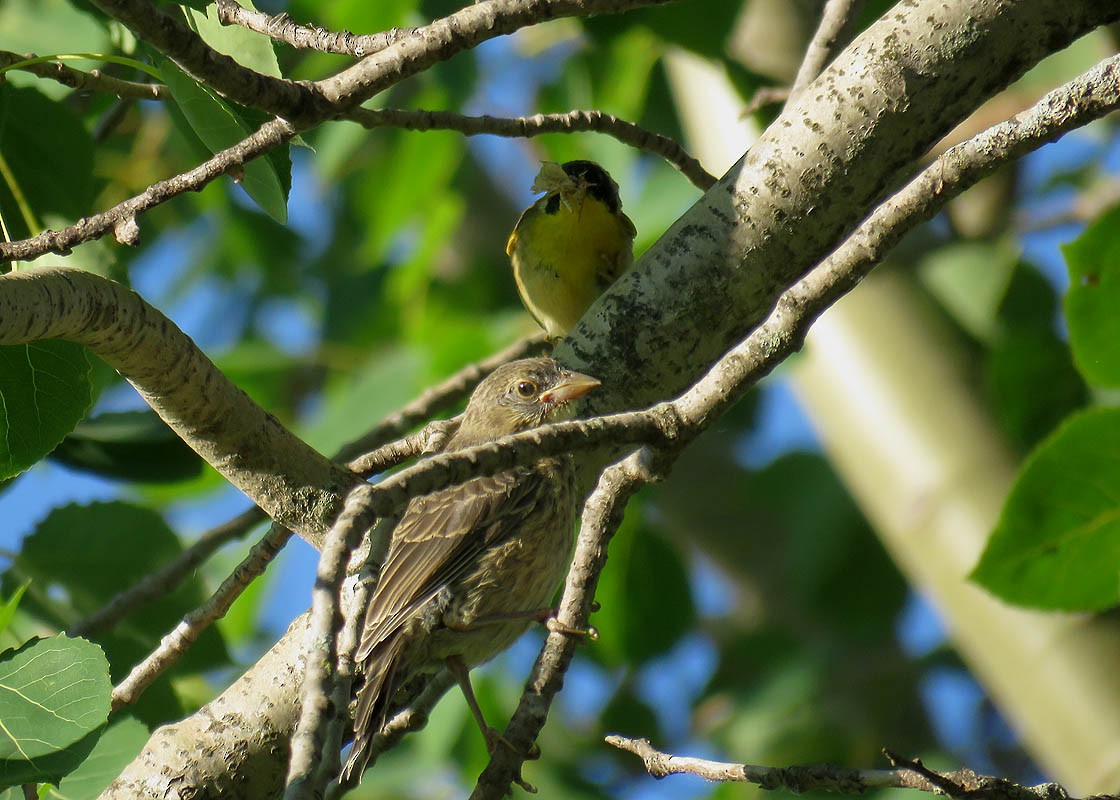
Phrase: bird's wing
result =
(438, 539)
(613, 265)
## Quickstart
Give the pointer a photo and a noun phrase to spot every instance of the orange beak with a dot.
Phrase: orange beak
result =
(572, 386)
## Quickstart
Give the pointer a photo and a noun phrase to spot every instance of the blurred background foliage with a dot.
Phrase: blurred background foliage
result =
(748, 611)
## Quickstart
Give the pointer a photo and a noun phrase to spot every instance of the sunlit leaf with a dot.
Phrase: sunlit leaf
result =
(1057, 543)
(54, 696)
(1093, 259)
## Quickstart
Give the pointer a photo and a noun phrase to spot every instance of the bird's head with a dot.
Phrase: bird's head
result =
(517, 396)
(568, 183)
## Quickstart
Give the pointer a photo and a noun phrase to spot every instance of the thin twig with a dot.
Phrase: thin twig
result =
(317, 693)
(907, 774)
(168, 577)
(570, 122)
(94, 81)
(176, 643)
(442, 396)
(602, 515)
(283, 28)
(766, 96)
(337, 729)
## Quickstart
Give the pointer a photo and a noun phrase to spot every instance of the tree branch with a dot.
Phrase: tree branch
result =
(907, 774)
(94, 80)
(602, 515)
(1089, 97)
(805, 183)
(121, 218)
(294, 484)
(298, 106)
(538, 124)
(837, 20)
(168, 577)
(284, 29)
(174, 644)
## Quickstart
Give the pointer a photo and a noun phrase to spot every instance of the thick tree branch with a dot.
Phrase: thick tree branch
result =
(1089, 97)
(294, 484)
(808, 180)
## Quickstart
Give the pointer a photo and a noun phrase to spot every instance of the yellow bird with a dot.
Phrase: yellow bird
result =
(570, 245)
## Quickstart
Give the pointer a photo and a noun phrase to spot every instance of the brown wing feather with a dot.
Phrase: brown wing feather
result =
(437, 541)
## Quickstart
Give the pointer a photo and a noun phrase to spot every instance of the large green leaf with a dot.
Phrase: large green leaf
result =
(54, 698)
(81, 556)
(218, 125)
(249, 48)
(644, 595)
(1057, 543)
(44, 392)
(1093, 302)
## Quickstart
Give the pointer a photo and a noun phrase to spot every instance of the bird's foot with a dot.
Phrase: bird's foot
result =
(556, 626)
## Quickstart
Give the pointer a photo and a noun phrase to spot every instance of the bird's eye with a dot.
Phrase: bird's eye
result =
(526, 389)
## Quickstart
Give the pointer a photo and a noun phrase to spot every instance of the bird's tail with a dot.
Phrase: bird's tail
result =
(373, 701)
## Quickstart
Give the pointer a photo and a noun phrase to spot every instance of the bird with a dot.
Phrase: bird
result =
(470, 566)
(570, 245)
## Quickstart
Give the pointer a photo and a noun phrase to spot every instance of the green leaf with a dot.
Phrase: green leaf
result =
(702, 26)
(1093, 302)
(1030, 377)
(1057, 543)
(54, 696)
(9, 606)
(44, 392)
(49, 26)
(645, 597)
(385, 382)
(219, 126)
(117, 747)
(131, 445)
(82, 556)
(249, 48)
(46, 157)
(969, 279)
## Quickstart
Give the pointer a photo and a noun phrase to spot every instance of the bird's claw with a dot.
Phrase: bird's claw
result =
(556, 626)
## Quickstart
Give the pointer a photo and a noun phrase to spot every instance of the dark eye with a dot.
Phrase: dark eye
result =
(526, 389)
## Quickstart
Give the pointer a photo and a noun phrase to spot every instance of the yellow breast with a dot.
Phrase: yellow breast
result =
(564, 260)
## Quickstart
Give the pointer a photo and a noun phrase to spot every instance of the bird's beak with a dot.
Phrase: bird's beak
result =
(573, 385)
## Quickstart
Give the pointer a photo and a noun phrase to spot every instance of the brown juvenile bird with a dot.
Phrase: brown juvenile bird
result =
(570, 245)
(468, 566)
